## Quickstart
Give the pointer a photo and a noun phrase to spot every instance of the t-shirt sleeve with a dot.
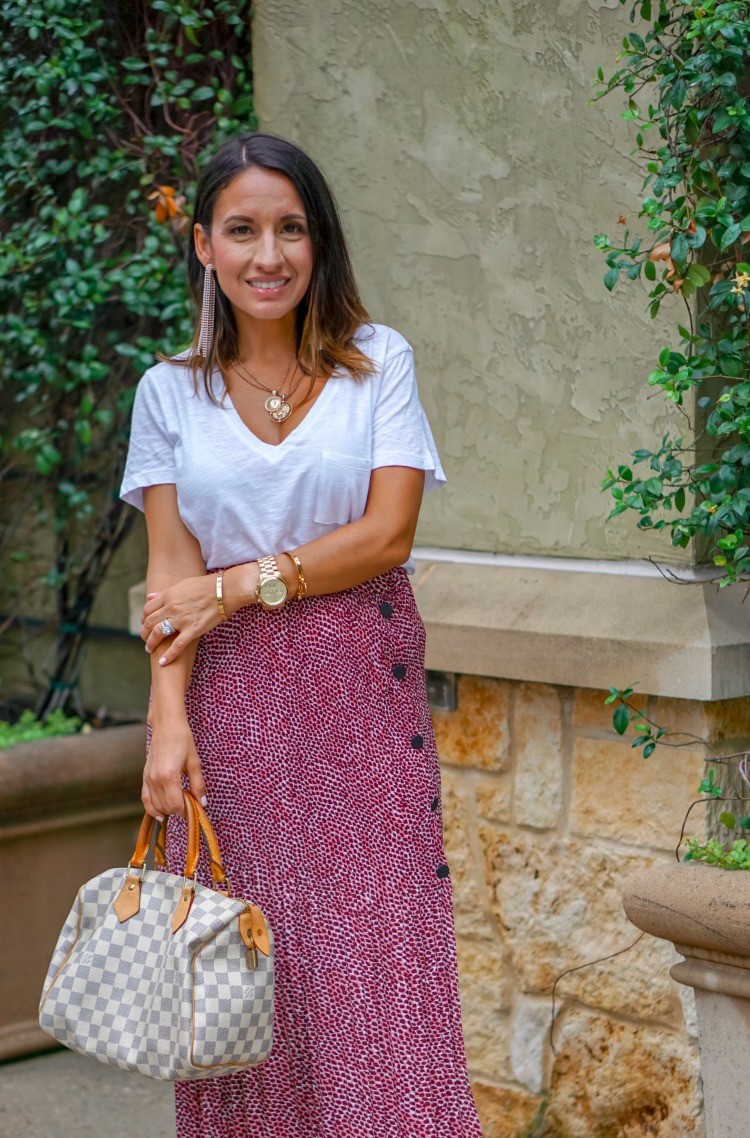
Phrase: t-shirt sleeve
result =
(151, 458)
(401, 433)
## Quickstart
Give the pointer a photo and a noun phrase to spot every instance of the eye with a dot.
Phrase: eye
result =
(294, 226)
(240, 229)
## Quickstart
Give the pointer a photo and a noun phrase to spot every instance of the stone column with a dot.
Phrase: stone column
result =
(705, 912)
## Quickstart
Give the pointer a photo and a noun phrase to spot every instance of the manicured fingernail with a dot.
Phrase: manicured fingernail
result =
(150, 595)
(147, 647)
(159, 817)
(163, 660)
(204, 801)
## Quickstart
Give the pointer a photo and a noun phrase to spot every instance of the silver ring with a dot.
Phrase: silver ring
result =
(167, 629)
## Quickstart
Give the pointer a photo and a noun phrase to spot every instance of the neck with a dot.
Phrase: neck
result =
(261, 340)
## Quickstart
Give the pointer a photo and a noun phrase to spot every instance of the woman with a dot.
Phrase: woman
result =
(281, 465)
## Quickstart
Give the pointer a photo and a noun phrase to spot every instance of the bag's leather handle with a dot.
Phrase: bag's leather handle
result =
(217, 865)
(143, 841)
(128, 901)
(197, 821)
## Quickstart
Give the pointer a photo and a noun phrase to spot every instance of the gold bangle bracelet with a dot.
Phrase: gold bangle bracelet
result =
(301, 582)
(220, 594)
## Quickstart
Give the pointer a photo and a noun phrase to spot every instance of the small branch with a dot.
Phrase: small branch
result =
(578, 967)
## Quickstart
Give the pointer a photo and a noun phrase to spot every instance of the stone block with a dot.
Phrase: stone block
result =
(470, 902)
(729, 719)
(529, 1045)
(591, 713)
(503, 1111)
(492, 795)
(537, 726)
(689, 1011)
(714, 721)
(559, 904)
(618, 794)
(485, 1000)
(477, 733)
(622, 1079)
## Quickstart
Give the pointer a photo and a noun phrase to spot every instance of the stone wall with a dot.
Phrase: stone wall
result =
(546, 812)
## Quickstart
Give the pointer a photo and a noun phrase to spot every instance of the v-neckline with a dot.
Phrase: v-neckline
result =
(242, 428)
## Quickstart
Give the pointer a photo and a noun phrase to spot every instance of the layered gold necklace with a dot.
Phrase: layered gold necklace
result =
(278, 405)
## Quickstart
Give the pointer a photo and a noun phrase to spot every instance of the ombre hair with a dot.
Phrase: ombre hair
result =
(331, 310)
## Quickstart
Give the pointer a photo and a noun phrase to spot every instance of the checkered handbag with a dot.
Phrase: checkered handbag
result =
(158, 974)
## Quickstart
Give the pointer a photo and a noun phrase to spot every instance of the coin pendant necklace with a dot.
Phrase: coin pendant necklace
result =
(277, 405)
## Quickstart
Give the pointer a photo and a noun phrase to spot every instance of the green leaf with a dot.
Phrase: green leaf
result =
(611, 278)
(698, 274)
(730, 234)
(621, 718)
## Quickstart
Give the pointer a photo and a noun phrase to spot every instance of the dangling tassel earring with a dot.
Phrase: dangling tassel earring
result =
(206, 337)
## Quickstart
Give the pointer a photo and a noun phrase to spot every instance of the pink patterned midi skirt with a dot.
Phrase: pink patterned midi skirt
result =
(324, 789)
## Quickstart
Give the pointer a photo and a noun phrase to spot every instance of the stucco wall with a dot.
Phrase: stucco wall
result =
(473, 176)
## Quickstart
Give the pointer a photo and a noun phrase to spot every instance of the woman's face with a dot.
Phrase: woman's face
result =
(259, 244)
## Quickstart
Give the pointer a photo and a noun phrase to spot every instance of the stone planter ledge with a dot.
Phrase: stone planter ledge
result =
(705, 913)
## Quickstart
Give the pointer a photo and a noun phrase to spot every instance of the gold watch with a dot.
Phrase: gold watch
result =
(271, 591)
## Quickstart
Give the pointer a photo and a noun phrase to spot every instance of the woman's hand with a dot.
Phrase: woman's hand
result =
(172, 751)
(191, 609)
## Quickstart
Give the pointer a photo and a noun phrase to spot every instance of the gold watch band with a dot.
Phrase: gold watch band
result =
(269, 567)
(272, 588)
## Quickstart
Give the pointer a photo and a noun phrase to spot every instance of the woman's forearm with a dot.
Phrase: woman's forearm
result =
(349, 555)
(168, 685)
(340, 560)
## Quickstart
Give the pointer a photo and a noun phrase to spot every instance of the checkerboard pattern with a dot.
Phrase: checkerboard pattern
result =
(182, 1005)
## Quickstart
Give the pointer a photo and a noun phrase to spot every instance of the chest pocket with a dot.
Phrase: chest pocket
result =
(343, 484)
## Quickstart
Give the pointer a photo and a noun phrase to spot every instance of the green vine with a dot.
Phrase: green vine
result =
(107, 109)
(685, 80)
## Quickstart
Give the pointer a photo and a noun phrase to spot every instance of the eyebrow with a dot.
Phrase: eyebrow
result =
(246, 217)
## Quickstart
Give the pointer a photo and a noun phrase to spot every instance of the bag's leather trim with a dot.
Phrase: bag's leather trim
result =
(128, 900)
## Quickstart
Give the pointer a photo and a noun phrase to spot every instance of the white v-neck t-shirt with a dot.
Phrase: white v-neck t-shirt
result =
(242, 498)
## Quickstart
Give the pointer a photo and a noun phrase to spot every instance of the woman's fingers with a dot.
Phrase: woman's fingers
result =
(161, 797)
(153, 637)
(180, 641)
(195, 777)
(151, 624)
(148, 803)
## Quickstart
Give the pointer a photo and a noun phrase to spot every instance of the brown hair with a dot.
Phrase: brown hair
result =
(330, 312)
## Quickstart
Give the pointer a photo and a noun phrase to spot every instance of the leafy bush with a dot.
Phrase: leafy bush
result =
(107, 108)
(685, 79)
(28, 728)
(737, 856)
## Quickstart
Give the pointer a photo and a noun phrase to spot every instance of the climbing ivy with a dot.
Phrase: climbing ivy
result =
(684, 77)
(107, 108)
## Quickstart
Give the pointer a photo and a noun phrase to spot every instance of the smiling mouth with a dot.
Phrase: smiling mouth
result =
(269, 284)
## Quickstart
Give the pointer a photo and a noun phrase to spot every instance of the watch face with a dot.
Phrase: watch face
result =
(273, 592)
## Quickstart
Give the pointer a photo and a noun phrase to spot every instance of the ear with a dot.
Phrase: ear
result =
(202, 244)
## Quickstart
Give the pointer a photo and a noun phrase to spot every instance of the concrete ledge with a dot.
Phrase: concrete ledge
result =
(585, 629)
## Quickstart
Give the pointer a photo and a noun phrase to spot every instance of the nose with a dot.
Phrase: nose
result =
(268, 252)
